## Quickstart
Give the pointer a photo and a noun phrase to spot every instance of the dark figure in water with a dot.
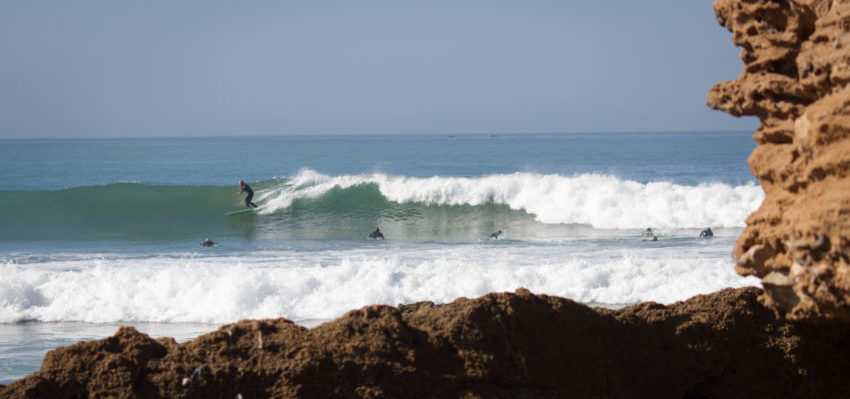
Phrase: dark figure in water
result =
(706, 233)
(246, 188)
(209, 243)
(375, 235)
(495, 236)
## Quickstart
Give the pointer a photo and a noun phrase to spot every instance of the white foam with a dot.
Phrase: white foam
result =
(324, 285)
(601, 201)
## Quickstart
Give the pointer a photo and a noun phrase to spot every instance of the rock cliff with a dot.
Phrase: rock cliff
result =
(509, 345)
(796, 56)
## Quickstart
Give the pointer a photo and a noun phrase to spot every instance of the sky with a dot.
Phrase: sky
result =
(207, 68)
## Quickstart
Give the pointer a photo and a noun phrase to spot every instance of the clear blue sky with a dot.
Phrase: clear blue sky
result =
(185, 68)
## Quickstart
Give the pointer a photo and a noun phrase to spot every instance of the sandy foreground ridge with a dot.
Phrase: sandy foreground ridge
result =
(791, 340)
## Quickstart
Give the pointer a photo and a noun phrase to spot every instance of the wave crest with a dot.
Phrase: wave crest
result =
(601, 201)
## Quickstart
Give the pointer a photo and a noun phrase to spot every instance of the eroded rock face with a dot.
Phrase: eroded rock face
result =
(795, 80)
(507, 345)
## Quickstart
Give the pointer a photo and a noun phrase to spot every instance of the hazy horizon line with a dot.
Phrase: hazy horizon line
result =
(237, 135)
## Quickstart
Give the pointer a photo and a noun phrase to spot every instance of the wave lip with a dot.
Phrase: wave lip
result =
(601, 201)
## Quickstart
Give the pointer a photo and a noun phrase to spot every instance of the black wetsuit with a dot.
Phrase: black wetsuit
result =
(248, 203)
(376, 235)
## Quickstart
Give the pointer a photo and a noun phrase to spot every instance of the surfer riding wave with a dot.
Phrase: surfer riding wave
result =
(246, 188)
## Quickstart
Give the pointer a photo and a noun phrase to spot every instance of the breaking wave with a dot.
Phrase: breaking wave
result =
(327, 206)
(601, 201)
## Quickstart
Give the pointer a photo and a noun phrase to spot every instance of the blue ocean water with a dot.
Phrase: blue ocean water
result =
(100, 232)
(684, 158)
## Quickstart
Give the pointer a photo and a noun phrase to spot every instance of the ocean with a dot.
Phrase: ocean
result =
(97, 233)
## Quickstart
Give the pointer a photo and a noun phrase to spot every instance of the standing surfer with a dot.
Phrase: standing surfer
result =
(246, 188)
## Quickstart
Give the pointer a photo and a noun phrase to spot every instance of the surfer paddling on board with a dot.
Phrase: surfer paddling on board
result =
(649, 235)
(246, 188)
(376, 235)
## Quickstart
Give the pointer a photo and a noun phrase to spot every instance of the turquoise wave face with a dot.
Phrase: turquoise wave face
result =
(355, 211)
(113, 211)
(131, 211)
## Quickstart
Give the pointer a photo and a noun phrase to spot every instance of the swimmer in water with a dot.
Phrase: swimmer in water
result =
(376, 235)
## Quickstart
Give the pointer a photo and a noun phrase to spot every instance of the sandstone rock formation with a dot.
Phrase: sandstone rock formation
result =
(795, 80)
(510, 345)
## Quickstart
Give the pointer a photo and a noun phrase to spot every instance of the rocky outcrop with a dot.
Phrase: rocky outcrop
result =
(795, 80)
(509, 345)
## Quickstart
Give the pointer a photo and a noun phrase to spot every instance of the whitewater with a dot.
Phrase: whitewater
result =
(199, 287)
(572, 236)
